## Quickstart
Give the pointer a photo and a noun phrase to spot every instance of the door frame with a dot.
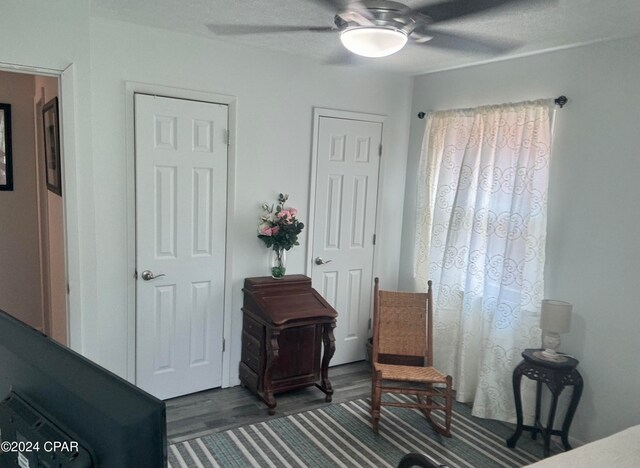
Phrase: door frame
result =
(319, 112)
(70, 203)
(131, 88)
(43, 220)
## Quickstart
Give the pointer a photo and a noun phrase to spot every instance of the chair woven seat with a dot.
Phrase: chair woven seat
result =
(410, 373)
(403, 328)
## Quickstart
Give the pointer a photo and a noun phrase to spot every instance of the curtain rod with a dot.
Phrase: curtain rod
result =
(560, 101)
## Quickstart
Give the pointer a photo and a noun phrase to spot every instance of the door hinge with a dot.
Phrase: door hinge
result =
(227, 136)
(224, 345)
(374, 239)
(369, 326)
(135, 274)
(380, 150)
(68, 289)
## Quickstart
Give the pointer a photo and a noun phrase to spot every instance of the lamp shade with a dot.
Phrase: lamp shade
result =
(373, 41)
(555, 316)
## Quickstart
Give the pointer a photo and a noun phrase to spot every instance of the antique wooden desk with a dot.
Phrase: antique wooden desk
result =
(285, 322)
(556, 375)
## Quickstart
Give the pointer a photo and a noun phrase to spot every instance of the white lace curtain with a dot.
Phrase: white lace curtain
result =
(480, 237)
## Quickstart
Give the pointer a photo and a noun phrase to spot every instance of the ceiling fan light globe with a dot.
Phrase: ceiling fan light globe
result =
(373, 41)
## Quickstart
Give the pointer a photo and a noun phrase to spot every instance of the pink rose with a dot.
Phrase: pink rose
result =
(293, 211)
(265, 230)
(275, 230)
(285, 216)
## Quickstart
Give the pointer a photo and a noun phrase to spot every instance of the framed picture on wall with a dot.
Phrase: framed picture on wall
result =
(52, 146)
(6, 163)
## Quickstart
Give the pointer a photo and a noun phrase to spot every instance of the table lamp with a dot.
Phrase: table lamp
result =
(555, 318)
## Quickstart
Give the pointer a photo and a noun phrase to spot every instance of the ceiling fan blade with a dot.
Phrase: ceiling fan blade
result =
(242, 29)
(469, 43)
(453, 9)
(357, 12)
(338, 6)
(361, 17)
(334, 5)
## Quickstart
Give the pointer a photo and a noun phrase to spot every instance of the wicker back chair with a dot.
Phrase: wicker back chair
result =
(402, 333)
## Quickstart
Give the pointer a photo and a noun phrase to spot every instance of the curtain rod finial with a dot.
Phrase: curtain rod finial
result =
(421, 115)
(561, 101)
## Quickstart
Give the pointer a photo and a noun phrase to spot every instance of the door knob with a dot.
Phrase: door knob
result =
(148, 275)
(319, 261)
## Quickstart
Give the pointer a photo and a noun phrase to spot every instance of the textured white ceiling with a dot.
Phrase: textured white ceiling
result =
(537, 27)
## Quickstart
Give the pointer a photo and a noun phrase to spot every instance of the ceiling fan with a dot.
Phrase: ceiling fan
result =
(378, 28)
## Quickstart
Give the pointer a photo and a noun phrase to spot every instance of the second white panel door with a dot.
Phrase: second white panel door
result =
(344, 226)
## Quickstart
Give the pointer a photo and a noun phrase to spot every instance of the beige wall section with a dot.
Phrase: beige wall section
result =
(19, 245)
(58, 278)
(52, 229)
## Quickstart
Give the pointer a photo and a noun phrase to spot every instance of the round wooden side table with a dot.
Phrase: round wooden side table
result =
(557, 376)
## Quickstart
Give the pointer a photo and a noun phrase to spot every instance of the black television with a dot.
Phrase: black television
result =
(118, 423)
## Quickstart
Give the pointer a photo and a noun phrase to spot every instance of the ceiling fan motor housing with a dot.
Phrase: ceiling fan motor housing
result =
(382, 14)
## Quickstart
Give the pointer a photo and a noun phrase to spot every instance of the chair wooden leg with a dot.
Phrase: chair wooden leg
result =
(442, 429)
(428, 401)
(423, 401)
(373, 388)
(376, 397)
(449, 407)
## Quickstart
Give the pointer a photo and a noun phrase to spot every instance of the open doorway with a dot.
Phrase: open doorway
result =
(33, 284)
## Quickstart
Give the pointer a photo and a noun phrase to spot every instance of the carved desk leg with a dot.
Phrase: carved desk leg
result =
(273, 351)
(329, 344)
(517, 380)
(571, 411)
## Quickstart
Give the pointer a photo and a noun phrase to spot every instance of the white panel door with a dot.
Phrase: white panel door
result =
(344, 226)
(181, 200)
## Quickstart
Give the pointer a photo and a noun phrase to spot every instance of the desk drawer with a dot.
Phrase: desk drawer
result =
(251, 344)
(251, 351)
(248, 377)
(253, 328)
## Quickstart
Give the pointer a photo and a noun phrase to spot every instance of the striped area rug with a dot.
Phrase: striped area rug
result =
(340, 435)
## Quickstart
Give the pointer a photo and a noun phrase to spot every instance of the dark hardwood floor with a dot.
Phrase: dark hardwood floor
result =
(221, 409)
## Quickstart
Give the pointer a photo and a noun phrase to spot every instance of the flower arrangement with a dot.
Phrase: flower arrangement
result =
(279, 229)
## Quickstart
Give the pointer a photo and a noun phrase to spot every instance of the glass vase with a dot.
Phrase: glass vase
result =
(278, 263)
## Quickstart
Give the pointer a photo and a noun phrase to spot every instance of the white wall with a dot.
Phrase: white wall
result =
(19, 253)
(275, 94)
(593, 253)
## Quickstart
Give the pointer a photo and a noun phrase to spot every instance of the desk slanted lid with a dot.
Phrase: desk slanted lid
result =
(263, 283)
(285, 300)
